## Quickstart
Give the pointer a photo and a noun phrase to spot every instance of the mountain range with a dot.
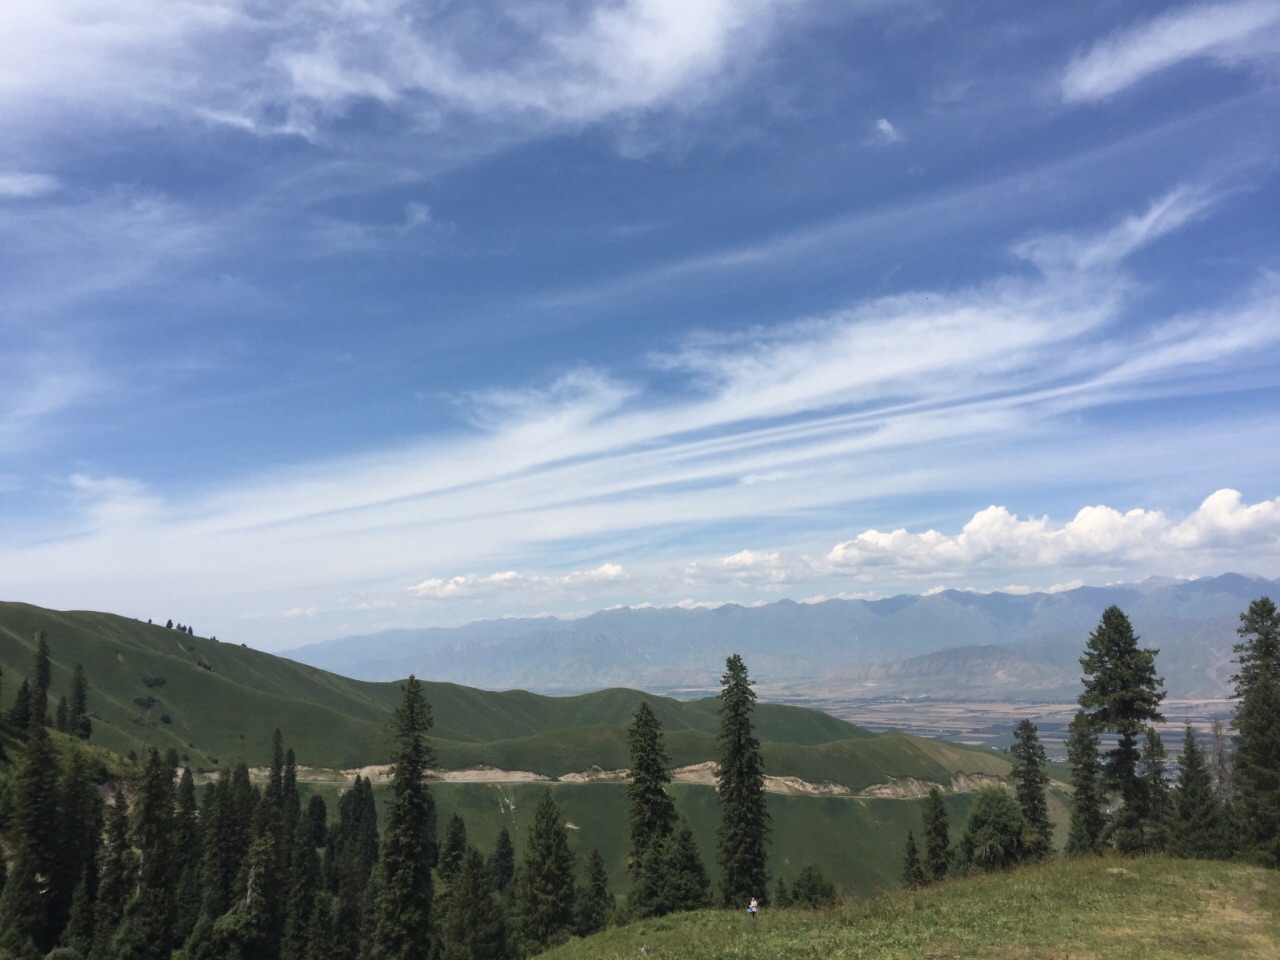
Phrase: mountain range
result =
(950, 644)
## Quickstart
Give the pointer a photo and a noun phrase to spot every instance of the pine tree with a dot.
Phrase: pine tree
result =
(39, 715)
(651, 813)
(78, 933)
(1155, 793)
(454, 847)
(744, 826)
(61, 716)
(116, 873)
(912, 871)
(993, 837)
(186, 832)
(502, 862)
(20, 712)
(937, 837)
(1256, 772)
(1123, 691)
(79, 836)
(781, 894)
(317, 819)
(146, 929)
(79, 724)
(1197, 828)
(304, 878)
(473, 925)
(29, 903)
(545, 889)
(322, 940)
(812, 889)
(1087, 818)
(672, 878)
(1031, 784)
(402, 890)
(595, 903)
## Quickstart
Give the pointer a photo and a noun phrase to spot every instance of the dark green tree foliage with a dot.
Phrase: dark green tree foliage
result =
(226, 824)
(146, 929)
(454, 847)
(1256, 771)
(502, 862)
(61, 716)
(1197, 827)
(322, 938)
(77, 935)
(317, 819)
(1087, 818)
(292, 803)
(402, 890)
(1124, 693)
(812, 889)
(349, 859)
(912, 870)
(473, 924)
(79, 834)
(29, 904)
(1031, 784)
(744, 820)
(186, 860)
(245, 931)
(79, 724)
(781, 894)
(544, 886)
(304, 888)
(994, 836)
(595, 903)
(1155, 793)
(20, 713)
(673, 877)
(936, 829)
(651, 813)
(116, 874)
(39, 715)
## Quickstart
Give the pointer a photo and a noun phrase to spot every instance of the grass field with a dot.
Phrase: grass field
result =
(1093, 909)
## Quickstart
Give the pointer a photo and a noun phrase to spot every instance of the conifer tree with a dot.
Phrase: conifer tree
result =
(1031, 783)
(402, 889)
(473, 925)
(595, 903)
(1124, 693)
(79, 724)
(39, 715)
(79, 816)
(1087, 818)
(502, 862)
(1256, 764)
(1258, 652)
(544, 886)
(454, 847)
(322, 939)
(20, 713)
(1155, 793)
(1197, 828)
(812, 889)
(651, 813)
(318, 819)
(29, 902)
(937, 837)
(993, 836)
(304, 880)
(781, 894)
(60, 716)
(672, 877)
(146, 929)
(116, 874)
(187, 859)
(77, 935)
(912, 871)
(744, 824)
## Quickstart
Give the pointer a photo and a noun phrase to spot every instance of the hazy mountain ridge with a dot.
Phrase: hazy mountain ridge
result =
(953, 643)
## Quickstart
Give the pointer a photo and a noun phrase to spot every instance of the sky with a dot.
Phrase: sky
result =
(328, 316)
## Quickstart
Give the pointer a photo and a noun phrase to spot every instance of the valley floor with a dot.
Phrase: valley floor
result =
(1092, 909)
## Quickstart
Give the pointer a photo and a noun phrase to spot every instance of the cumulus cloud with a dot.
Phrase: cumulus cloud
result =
(1229, 33)
(884, 133)
(1098, 537)
(750, 568)
(472, 586)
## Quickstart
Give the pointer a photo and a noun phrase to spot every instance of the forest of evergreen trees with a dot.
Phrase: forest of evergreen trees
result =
(148, 867)
(1221, 804)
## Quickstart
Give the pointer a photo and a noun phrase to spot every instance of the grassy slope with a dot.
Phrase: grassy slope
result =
(1095, 909)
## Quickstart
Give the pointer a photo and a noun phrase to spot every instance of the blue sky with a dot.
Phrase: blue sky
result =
(323, 317)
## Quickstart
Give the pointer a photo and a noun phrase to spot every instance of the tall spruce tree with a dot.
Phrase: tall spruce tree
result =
(1124, 693)
(1197, 827)
(544, 886)
(473, 924)
(502, 862)
(402, 889)
(20, 712)
(1155, 793)
(79, 723)
(744, 819)
(186, 861)
(454, 847)
(673, 877)
(912, 871)
(80, 832)
(595, 902)
(1088, 820)
(146, 929)
(651, 813)
(936, 830)
(304, 888)
(39, 716)
(1256, 764)
(116, 874)
(29, 902)
(1031, 784)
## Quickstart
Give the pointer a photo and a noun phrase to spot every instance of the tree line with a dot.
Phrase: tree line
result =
(152, 868)
(1222, 804)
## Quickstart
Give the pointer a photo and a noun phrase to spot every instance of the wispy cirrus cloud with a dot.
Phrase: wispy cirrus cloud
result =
(23, 185)
(1231, 33)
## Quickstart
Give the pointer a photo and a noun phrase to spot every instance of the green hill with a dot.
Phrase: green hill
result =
(1090, 909)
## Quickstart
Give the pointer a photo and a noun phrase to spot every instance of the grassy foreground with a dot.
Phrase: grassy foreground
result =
(1095, 909)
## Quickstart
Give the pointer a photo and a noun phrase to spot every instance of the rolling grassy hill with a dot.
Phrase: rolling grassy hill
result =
(1090, 909)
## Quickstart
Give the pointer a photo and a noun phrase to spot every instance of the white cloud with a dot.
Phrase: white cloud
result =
(471, 586)
(754, 568)
(1097, 538)
(1229, 33)
(17, 185)
(884, 133)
